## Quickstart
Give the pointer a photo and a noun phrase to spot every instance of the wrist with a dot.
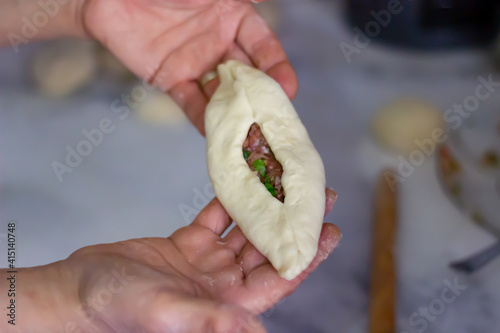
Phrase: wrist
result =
(26, 21)
(44, 298)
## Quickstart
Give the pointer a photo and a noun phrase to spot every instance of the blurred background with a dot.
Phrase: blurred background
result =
(410, 85)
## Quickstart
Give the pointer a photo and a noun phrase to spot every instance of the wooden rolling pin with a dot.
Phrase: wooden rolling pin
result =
(383, 271)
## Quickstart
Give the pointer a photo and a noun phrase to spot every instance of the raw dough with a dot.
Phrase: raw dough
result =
(286, 233)
(398, 125)
(63, 67)
(160, 108)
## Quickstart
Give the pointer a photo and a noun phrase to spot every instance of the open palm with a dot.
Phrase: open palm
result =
(193, 281)
(172, 43)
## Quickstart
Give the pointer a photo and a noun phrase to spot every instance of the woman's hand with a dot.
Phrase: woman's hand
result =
(168, 43)
(172, 43)
(193, 281)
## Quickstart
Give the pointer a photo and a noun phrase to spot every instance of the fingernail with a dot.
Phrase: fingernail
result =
(335, 196)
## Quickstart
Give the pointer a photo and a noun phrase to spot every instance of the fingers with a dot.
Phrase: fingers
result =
(233, 53)
(189, 62)
(193, 101)
(214, 217)
(328, 240)
(193, 97)
(236, 53)
(236, 240)
(250, 258)
(265, 287)
(210, 87)
(258, 41)
(331, 197)
(189, 314)
(255, 45)
(284, 74)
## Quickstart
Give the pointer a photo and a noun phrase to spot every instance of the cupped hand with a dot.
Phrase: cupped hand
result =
(173, 43)
(193, 281)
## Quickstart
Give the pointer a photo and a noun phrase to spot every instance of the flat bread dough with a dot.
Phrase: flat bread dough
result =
(286, 233)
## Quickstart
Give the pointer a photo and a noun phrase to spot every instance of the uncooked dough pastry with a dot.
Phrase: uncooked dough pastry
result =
(160, 108)
(400, 124)
(287, 233)
(63, 67)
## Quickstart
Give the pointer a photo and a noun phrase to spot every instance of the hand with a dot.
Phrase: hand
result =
(192, 281)
(172, 43)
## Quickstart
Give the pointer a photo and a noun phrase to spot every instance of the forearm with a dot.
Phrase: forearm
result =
(39, 299)
(24, 21)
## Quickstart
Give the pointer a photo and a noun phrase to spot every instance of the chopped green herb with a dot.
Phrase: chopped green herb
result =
(266, 178)
(270, 188)
(246, 154)
(260, 167)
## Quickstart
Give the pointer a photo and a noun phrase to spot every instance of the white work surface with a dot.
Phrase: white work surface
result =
(134, 182)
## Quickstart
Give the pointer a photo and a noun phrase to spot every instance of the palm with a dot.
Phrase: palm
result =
(173, 42)
(194, 273)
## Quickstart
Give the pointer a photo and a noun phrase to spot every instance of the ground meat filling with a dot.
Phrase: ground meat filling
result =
(260, 158)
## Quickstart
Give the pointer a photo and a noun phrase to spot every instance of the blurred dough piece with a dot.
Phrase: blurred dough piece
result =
(63, 67)
(398, 125)
(160, 108)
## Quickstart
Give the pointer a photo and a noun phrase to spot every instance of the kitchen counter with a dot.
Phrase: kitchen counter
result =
(135, 183)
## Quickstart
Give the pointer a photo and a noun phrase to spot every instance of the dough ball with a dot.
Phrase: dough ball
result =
(160, 108)
(400, 124)
(63, 67)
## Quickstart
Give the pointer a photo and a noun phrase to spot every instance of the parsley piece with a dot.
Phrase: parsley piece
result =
(260, 167)
(270, 188)
(246, 154)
